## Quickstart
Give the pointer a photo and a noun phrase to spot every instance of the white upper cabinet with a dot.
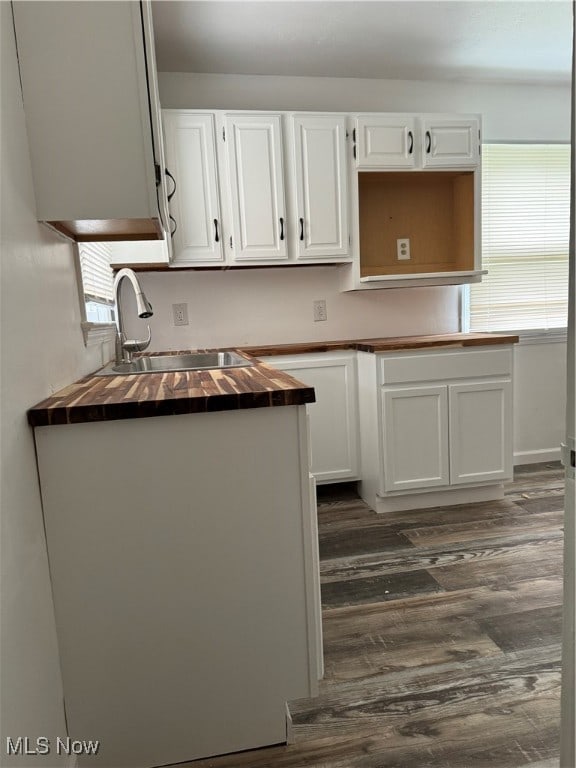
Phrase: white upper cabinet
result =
(195, 205)
(450, 142)
(382, 141)
(89, 92)
(254, 152)
(320, 185)
(416, 142)
(394, 196)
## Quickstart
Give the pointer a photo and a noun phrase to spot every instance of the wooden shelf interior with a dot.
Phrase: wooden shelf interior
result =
(109, 230)
(434, 210)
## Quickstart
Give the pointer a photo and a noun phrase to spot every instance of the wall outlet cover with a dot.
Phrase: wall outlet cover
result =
(180, 314)
(320, 313)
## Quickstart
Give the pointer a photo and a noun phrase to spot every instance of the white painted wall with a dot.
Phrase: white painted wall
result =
(267, 306)
(42, 350)
(510, 111)
(539, 401)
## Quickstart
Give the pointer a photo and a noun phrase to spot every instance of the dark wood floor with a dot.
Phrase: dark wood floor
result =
(441, 636)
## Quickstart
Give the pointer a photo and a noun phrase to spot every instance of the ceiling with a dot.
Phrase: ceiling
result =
(490, 40)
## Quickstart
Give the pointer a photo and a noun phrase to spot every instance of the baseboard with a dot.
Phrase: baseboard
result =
(443, 498)
(289, 727)
(537, 457)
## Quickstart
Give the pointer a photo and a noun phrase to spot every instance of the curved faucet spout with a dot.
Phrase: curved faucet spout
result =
(144, 308)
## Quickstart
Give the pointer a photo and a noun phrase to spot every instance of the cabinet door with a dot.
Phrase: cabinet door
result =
(480, 431)
(321, 189)
(254, 145)
(449, 143)
(162, 184)
(385, 142)
(334, 415)
(191, 156)
(414, 438)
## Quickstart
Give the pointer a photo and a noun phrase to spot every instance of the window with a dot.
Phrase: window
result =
(97, 282)
(525, 234)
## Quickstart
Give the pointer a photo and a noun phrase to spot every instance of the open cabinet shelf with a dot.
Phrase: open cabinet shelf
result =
(434, 210)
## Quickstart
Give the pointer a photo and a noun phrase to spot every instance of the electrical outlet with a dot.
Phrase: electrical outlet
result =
(180, 314)
(403, 249)
(320, 313)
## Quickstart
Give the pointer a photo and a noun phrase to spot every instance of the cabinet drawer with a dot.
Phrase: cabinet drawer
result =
(440, 366)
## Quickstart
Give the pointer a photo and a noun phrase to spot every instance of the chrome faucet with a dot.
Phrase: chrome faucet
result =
(125, 347)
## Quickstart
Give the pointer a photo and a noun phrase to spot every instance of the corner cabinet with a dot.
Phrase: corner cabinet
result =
(255, 188)
(436, 426)
(415, 201)
(333, 418)
(92, 114)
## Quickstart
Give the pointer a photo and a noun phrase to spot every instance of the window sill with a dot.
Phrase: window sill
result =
(98, 333)
(552, 336)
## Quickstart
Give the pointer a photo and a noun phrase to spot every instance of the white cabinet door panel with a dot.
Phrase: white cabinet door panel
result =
(191, 154)
(480, 431)
(385, 142)
(333, 417)
(257, 186)
(321, 185)
(447, 143)
(415, 438)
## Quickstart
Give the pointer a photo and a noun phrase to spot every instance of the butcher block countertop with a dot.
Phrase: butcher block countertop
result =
(390, 344)
(134, 396)
(108, 398)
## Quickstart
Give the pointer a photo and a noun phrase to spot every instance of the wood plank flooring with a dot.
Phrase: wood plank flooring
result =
(442, 632)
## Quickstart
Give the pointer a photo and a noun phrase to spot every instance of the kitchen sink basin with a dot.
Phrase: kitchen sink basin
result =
(196, 361)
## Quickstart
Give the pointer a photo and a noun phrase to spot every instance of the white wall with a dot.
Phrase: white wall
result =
(42, 350)
(539, 401)
(509, 111)
(267, 306)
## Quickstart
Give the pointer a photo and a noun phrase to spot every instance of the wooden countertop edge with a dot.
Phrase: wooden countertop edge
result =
(398, 343)
(111, 398)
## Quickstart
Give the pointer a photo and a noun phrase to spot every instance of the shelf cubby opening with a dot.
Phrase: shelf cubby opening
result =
(434, 210)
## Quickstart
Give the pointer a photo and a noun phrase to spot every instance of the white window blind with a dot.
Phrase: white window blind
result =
(525, 232)
(97, 274)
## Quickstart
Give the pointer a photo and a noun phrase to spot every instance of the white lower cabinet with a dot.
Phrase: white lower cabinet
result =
(480, 431)
(334, 416)
(415, 438)
(435, 426)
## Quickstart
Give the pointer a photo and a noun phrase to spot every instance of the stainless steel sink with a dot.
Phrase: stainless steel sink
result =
(196, 361)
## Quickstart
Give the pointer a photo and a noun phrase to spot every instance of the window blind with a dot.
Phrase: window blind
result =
(525, 232)
(97, 274)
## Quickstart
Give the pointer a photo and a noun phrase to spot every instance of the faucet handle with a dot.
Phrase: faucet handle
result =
(137, 345)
